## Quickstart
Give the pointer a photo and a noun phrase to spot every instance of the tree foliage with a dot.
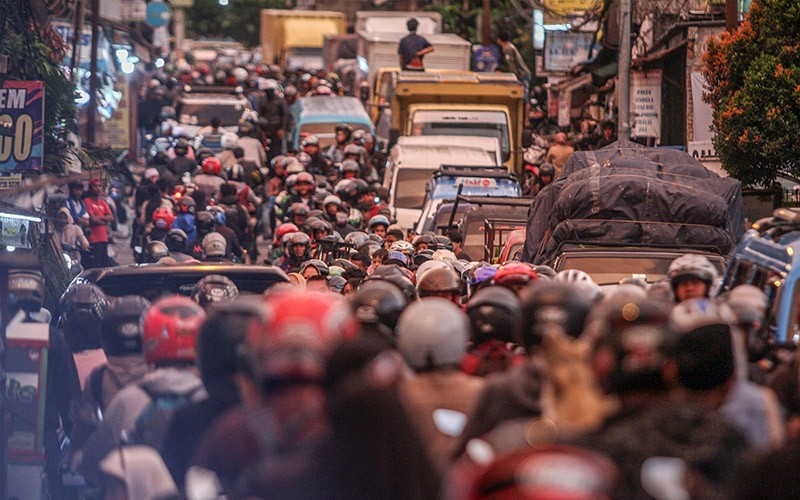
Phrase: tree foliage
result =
(753, 77)
(239, 20)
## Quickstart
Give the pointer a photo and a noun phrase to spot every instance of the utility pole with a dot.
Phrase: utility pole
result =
(93, 77)
(486, 23)
(624, 72)
(731, 15)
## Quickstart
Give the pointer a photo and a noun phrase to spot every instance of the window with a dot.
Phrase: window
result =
(409, 191)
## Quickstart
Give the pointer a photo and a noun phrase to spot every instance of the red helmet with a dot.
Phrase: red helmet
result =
(170, 329)
(515, 273)
(298, 331)
(163, 218)
(284, 229)
(212, 166)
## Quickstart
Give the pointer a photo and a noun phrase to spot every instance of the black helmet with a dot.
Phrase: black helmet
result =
(27, 288)
(181, 147)
(121, 328)
(344, 128)
(220, 336)
(551, 304)
(443, 242)
(187, 205)
(378, 301)
(321, 267)
(204, 222)
(81, 308)
(214, 288)
(492, 314)
(395, 276)
(177, 241)
(154, 251)
(546, 169)
(426, 239)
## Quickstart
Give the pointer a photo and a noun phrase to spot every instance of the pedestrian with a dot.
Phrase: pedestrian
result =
(514, 62)
(558, 153)
(412, 48)
(608, 137)
(99, 216)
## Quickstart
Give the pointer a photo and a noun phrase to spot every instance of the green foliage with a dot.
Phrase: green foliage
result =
(239, 20)
(753, 80)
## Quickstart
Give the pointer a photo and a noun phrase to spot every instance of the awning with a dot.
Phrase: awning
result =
(661, 54)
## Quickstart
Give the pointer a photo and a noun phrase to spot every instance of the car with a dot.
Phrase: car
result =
(608, 264)
(512, 247)
(154, 280)
(194, 111)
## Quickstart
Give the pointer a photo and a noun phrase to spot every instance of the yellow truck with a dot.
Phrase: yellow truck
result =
(294, 39)
(466, 104)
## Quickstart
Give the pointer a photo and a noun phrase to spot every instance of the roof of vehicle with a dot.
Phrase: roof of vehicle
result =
(435, 155)
(456, 77)
(316, 109)
(490, 144)
(451, 170)
(386, 21)
(213, 98)
(153, 280)
(434, 38)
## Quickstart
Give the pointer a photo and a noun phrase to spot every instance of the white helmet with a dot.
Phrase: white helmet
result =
(332, 198)
(239, 74)
(229, 140)
(214, 245)
(294, 167)
(580, 280)
(694, 266)
(431, 264)
(445, 255)
(402, 246)
(748, 303)
(432, 333)
(692, 314)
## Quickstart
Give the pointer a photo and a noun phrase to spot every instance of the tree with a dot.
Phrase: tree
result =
(753, 78)
(239, 20)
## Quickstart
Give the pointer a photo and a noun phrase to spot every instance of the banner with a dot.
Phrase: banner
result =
(15, 232)
(118, 127)
(563, 49)
(646, 103)
(485, 57)
(21, 126)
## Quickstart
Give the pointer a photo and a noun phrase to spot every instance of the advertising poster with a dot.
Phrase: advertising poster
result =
(646, 103)
(118, 127)
(21, 126)
(564, 49)
(15, 232)
(485, 57)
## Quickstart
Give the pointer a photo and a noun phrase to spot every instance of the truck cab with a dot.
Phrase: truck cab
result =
(768, 257)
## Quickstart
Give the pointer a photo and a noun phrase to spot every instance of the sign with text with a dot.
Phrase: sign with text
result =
(118, 127)
(485, 57)
(15, 232)
(564, 49)
(646, 103)
(21, 126)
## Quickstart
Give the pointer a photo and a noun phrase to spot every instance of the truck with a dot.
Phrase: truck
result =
(468, 104)
(294, 39)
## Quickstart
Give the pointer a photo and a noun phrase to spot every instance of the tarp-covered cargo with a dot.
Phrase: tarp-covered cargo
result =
(626, 193)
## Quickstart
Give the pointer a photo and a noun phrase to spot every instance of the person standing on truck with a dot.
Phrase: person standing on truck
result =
(412, 48)
(514, 62)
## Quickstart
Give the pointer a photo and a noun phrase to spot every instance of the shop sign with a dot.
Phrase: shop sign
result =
(646, 103)
(21, 125)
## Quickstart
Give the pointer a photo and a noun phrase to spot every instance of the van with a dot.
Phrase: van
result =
(319, 115)
(410, 167)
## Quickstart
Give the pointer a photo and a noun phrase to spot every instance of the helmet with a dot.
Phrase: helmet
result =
(229, 140)
(422, 256)
(176, 240)
(378, 220)
(202, 154)
(303, 158)
(235, 172)
(162, 145)
(214, 245)
(163, 218)
(439, 280)
(551, 305)
(432, 333)
(515, 274)
(443, 242)
(27, 288)
(402, 246)
(356, 238)
(358, 135)
(187, 205)
(332, 199)
(181, 147)
(343, 127)
(321, 267)
(297, 209)
(355, 219)
(322, 90)
(284, 229)
(398, 258)
(445, 255)
(294, 167)
(425, 239)
(304, 177)
(336, 283)
(350, 166)
(492, 314)
(298, 238)
(121, 326)
(214, 288)
(169, 329)
(692, 266)
(204, 222)
(311, 140)
(155, 251)
(545, 272)
(581, 280)
(692, 314)
(546, 169)
(218, 213)
(221, 336)
(291, 342)
(239, 74)
(212, 166)
(378, 301)
(318, 225)
(352, 149)
(749, 305)
(81, 308)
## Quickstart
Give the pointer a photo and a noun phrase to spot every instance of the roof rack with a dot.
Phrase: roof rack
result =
(213, 89)
(472, 171)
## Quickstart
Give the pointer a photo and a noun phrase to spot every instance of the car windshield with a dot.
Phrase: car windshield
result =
(609, 270)
(200, 113)
(447, 187)
(325, 131)
(467, 123)
(409, 192)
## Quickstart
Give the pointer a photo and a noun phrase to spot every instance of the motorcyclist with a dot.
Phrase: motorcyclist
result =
(318, 165)
(275, 117)
(298, 248)
(692, 276)
(182, 163)
(211, 178)
(335, 152)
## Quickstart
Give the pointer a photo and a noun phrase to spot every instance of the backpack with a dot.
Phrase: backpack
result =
(153, 422)
(490, 357)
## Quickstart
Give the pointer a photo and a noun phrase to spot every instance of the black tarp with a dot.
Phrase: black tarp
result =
(626, 193)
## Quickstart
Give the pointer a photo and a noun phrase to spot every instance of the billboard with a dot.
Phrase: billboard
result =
(21, 126)
(565, 49)
(646, 103)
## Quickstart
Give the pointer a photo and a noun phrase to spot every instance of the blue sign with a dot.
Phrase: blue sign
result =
(485, 57)
(158, 14)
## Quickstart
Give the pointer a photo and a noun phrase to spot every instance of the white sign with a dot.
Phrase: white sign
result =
(703, 150)
(477, 182)
(646, 103)
(563, 49)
